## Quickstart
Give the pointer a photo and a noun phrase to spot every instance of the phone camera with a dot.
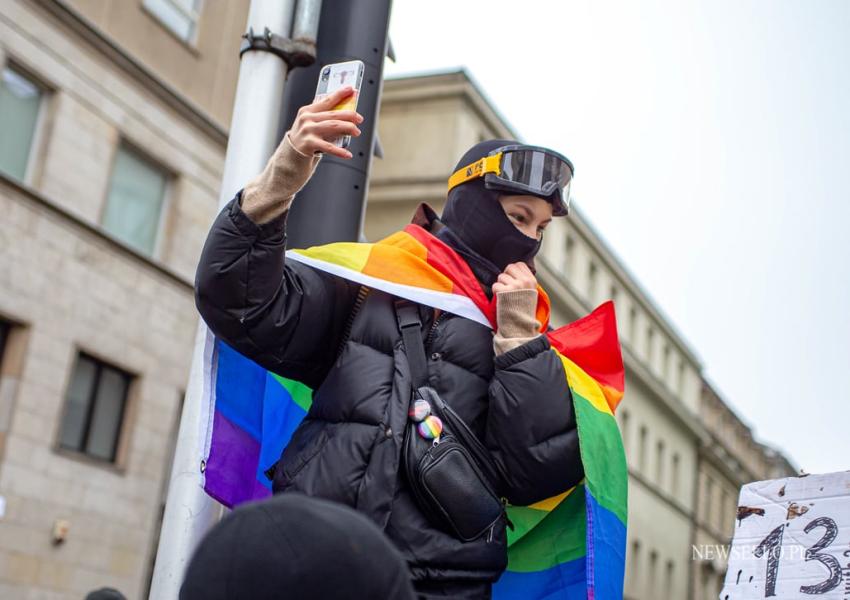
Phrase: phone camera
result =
(326, 74)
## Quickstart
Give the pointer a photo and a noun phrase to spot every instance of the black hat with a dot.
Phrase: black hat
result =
(293, 546)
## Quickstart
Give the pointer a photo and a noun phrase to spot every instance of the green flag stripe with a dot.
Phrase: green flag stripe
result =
(558, 538)
(524, 519)
(603, 457)
(301, 394)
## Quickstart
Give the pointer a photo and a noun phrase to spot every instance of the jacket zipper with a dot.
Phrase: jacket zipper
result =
(429, 338)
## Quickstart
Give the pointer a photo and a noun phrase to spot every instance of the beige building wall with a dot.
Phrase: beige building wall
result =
(202, 70)
(111, 75)
(68, 288)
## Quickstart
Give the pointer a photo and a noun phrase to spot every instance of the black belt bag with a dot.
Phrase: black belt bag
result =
(453, 476)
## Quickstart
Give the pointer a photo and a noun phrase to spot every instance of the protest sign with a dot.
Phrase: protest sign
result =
(792, 540)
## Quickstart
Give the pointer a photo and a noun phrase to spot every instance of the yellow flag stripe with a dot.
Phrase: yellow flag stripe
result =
(584, 385)
(549, 504)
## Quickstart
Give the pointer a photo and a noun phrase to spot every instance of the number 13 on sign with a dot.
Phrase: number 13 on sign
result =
(792, 540)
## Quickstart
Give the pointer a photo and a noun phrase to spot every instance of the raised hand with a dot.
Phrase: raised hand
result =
(316, 126)
(516, 276)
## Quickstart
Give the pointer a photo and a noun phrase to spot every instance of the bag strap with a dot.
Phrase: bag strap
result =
(410, 325)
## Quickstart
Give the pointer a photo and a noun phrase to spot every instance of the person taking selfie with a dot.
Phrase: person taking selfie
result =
(496, 397)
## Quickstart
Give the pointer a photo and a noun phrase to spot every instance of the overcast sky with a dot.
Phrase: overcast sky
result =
(712, 150)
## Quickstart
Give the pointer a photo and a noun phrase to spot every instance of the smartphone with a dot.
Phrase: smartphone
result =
(336, 76)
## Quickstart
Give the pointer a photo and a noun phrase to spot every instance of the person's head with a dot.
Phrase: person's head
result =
(106, 593)
(294, 546)
(503, 195)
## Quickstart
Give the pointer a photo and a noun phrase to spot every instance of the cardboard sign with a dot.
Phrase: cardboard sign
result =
(792, 540)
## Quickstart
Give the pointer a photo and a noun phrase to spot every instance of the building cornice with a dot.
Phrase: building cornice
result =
(117, 245)
(448, 84)
(68, 17)
(718, 454)
(666, 499)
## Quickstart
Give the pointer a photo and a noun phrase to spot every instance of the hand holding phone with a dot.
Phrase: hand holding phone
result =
(318, 126)
(337, 76)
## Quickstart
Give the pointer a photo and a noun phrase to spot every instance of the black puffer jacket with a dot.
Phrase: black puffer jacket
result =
(291, 318)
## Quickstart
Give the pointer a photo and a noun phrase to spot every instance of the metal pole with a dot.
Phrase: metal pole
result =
(189, 512)
(347, 30)
(306, 25)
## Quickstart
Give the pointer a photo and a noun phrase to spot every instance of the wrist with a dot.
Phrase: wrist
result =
(271, 192)
(516, 312)
(287, 140)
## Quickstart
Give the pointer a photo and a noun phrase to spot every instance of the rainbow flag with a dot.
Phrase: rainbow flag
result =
(568, 546)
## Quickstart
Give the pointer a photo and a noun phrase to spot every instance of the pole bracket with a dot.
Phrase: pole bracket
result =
(295, 53)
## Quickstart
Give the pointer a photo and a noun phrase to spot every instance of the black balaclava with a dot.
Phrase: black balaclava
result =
(474, 215)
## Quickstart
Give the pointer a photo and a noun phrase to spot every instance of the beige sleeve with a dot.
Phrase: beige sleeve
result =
(515, 317)
(270, 193)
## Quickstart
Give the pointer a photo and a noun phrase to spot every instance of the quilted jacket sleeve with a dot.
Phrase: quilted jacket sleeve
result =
(283, 315)
(531, 425)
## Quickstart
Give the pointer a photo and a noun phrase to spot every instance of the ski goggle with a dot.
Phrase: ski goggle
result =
(523, 170)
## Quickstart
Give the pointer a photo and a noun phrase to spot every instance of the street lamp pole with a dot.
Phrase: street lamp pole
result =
(267, 53)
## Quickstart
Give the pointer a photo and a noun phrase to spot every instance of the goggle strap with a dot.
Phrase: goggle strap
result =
(488, 164)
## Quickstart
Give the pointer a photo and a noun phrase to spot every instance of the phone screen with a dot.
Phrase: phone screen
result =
(336, 76)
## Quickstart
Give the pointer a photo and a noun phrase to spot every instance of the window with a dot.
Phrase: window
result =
(705, 573)
(136, 197)
(674, 475)
(612, 293)
(665, 360)
(659, 463)
(624, 429)
(724, 506)
(650, 342)
(642, 449)
(591, 282)
(94, 408)
(634, 564)
(709, 493)
(568, 255)
(632, 325)
(179, 16)
(653, 574)
(719, 582)
(4, 335)
(11, 367)
(20, 102)
(668, 577)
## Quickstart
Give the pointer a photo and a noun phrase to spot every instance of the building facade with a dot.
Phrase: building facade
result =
(113, 121)
(730, 458)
